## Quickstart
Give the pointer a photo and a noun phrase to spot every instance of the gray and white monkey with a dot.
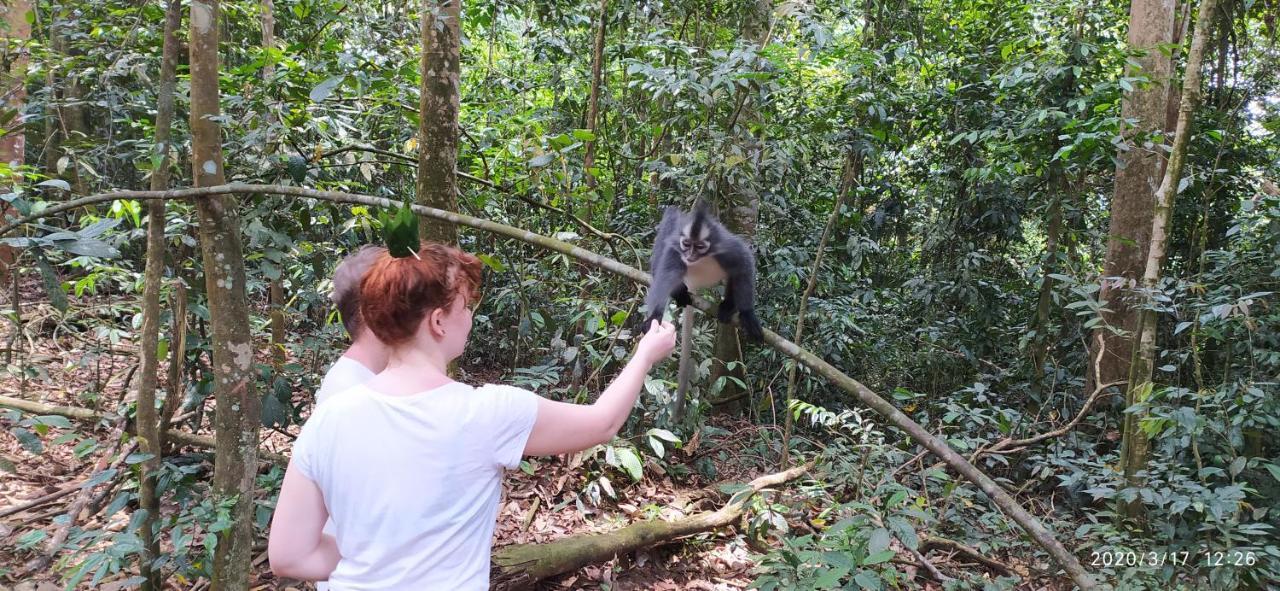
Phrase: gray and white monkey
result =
(694, 251)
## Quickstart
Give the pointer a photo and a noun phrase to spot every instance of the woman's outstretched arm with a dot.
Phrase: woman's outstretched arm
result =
(565, 428)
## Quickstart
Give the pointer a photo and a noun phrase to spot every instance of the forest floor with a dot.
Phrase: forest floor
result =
(62, 366)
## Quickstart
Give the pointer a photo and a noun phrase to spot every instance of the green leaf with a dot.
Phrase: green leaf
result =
(99, 478)
(879, 541)
(904, 532)
(584, 135)
(89, 247)
(491, 262)
(138, 457)
(656, 444)
(52, 285)
(630, 462)
(324, 89)
(58, 421)
(878, 557)
(297, 168)
(7, 465)
(1274, 470)
(58, 183)
(540, 161)
(400, 231)
(29, 440)
(664, 434)
(30, 539)
(831, 578)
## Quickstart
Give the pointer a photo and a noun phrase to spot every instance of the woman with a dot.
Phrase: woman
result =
(409, 464)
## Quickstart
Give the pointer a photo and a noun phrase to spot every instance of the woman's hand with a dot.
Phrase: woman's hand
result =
(658, 343)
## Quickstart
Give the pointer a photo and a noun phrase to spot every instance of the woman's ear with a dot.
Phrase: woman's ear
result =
(436, 321)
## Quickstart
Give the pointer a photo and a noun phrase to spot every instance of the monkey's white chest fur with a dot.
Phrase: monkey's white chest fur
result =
(703, 273)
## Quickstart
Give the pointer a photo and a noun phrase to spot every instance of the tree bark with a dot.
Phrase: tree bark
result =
(1151, 24)
(864, 395)
(276, 295)
(238, 410)
(149, 429)
(741, 215)
(593, 105)
(437, 185)
(1135, 446)
(13, 90)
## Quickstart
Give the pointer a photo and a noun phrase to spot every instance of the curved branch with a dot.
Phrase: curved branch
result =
(865, 395)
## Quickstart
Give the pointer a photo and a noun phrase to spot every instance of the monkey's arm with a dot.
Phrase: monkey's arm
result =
(668, 276)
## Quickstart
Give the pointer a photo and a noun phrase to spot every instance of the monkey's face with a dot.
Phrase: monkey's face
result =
(693, 248)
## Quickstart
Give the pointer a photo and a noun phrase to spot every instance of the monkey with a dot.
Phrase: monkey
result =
(693, 251)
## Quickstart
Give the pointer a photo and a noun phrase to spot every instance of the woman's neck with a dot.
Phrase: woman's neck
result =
(411, 370)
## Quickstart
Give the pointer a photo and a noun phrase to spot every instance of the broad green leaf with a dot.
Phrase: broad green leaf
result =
(878, 557)
(630, 463)
(324, 89)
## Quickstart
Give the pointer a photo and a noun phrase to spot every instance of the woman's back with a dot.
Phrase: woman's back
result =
(412, 483)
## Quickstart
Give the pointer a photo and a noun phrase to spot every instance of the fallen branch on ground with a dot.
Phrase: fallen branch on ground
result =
(89, 416)
(520, 566)
(927, 542)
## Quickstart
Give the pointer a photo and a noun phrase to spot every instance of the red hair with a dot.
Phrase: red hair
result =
(397, 293)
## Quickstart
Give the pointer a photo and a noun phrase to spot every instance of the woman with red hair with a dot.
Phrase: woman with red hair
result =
(409, 464)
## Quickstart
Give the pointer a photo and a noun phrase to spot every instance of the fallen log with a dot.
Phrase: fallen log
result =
(88, 416)
(519, 566)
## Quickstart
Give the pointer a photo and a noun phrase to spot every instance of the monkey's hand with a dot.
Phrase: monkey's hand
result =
(681, 296)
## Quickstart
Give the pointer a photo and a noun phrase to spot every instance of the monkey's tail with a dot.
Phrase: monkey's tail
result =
(686, 365)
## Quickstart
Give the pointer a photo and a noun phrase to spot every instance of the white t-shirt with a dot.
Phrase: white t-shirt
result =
(343, 374)
(412, 483)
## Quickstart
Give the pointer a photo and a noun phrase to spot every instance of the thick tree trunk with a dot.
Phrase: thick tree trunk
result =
(13, 91)
(149, 428)
(239, 408)
(438, 116)
(1151, 24)
(1135, 445)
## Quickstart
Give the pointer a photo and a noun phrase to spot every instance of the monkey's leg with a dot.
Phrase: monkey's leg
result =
(727, 306)
(686, 365)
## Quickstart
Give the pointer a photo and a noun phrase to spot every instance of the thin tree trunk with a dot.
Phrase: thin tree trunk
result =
(1136, 446)
(852, 172)
(593, 105)
(437, 185)
(276, 295)
(1151, 24)
(238, 413)
(740, 217)
(177, 343)
(148, 420)
(13, 92)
